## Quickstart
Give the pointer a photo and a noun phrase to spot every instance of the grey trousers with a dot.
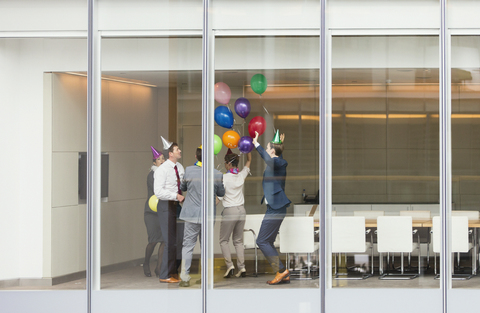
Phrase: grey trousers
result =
(192, 232)
(233, 222)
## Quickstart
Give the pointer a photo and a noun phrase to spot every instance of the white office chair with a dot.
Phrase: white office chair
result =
(472, 215)
(348, 236)
(395, 235)
(253, 222)
(297, 236)
(460, 242)
(422, 232)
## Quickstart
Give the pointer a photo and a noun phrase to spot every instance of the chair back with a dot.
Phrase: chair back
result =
(394, 234)
(348, 234)
(252, 222)
(369, 214)
(459, 234)
(416, 214)
(297, 235)
(472, 215)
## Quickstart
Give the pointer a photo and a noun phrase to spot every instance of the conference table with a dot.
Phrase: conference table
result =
(424, 222)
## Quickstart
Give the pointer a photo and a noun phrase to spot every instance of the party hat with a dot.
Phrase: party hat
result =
(155, 153)
(229, 151)
(200, 147)
(166, 144)
(276, 138)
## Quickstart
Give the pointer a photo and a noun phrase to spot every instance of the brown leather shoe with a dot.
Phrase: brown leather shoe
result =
(280, 278)
(176, 276)
(169, 280)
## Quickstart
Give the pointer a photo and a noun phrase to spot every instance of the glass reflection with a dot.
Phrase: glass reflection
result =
(151, 128)
(44, 246)
(273, 241)
(385, 160)
(465, 168)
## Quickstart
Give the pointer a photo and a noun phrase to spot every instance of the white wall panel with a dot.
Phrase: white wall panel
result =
(406, 14)
(269, 14)
(23, 62)
(68, 255)
(45, 15)
(150, 14)
(64, 179)
(463, 14)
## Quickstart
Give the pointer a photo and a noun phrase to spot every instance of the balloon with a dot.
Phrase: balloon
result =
(224, 116)
(257, 124)
(217, 144)
(245, 144)
(222, 93)
(258, 83)
(230, 139)
(242, 107)
(152, 203)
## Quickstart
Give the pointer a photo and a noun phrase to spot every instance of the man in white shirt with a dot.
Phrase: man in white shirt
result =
(167, 180)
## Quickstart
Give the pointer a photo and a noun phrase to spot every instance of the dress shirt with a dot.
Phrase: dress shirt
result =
(165, 180)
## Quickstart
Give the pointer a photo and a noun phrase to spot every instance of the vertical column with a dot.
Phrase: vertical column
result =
(93, 154)
(207, 157)
(445, 156)
(323, 156)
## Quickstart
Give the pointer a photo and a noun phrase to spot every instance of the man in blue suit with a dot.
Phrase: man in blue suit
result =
(277, 202)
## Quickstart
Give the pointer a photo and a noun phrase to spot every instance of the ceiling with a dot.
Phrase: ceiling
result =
(360, 76)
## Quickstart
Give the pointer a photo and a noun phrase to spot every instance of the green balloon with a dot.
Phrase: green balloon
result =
(217, 144)
(258, 83)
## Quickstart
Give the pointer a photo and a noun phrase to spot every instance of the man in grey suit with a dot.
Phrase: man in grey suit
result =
(192, 211)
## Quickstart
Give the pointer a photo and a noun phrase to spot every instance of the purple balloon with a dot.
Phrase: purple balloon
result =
(242, 107)
(245, 144)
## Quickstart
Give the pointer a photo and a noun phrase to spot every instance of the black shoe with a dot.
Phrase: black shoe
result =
(184, 283)
(146, 270)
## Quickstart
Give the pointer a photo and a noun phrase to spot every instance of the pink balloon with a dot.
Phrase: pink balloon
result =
(222, 93)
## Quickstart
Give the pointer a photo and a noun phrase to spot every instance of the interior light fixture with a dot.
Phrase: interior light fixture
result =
(297, 117)
(111, 79)
(459, 115)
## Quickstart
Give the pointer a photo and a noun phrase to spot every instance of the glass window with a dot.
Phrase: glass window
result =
(151, 96)
(465, 168)
(385, 160)
(272, 102)
(271, 77)
(44, 113)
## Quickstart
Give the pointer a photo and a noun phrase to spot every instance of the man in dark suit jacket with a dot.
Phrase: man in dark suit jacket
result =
(277, 202)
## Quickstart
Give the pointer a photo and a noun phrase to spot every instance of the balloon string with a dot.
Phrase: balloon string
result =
(269, 115)
(266, 110)
(216, 161)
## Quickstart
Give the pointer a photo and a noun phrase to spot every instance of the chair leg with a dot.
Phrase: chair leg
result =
(393, 276)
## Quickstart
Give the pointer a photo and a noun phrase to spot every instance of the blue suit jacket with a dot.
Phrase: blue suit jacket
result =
(274, 180)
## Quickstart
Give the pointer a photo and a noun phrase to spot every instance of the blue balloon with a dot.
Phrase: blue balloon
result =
(224, 116)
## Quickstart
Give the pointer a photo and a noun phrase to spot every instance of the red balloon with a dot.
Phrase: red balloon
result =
(257, 124)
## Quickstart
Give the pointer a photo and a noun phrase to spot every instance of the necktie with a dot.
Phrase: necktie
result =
(178, 180)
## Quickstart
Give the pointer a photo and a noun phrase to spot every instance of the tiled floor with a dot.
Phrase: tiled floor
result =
(133, 278)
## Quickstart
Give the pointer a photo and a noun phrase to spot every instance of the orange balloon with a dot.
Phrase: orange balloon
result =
(230, 139)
